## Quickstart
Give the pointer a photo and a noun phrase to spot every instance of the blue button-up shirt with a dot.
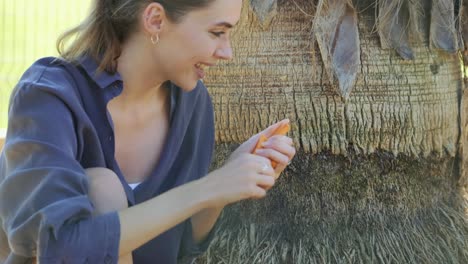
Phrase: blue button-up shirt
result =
(58, 126)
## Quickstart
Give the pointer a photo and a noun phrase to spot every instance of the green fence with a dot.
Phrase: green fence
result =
(28, 31)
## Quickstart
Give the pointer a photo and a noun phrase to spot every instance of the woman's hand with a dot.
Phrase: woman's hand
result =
(242, 177)
(277, 148)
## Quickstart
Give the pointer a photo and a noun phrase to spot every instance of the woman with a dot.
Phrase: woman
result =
(108, 148)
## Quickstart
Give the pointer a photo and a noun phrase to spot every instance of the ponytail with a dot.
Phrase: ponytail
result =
(100, 36)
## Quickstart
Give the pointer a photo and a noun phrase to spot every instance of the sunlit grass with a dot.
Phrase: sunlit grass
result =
(29, 31)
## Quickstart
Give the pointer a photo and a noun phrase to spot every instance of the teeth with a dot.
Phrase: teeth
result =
(201, 66)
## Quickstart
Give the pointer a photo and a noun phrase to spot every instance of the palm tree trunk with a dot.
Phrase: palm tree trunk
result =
(389, 146)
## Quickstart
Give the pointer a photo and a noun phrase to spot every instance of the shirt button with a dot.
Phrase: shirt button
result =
(108, 259)
(110, 138)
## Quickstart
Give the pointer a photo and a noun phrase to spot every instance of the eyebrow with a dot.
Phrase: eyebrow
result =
(224, 24)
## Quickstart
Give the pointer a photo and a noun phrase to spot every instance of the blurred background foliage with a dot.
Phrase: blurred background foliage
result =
(29, 30)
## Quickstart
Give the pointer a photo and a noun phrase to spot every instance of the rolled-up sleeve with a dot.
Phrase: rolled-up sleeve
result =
(189, 248)
(44, 206)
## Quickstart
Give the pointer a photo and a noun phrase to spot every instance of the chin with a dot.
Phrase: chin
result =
(187, 86)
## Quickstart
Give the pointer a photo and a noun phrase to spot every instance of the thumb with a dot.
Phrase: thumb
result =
(270, 131)
(248, 146)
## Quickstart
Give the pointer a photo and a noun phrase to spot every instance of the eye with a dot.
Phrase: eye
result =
(218, 33)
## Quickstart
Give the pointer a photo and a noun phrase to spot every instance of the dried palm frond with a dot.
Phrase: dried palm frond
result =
(393, 26)
(416, 14)
(443, 33)
(463, 25)
(265, 10)
(336, 30)
(458, 15)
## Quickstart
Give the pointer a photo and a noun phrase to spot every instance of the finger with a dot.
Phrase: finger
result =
(282, 148)
(258, 192)
(279, 169)
(252, 142)
(273, 155)
(266, 182)
(279, 138)
(269, 131)
(266, 169)
(285, 149)
(261, 164)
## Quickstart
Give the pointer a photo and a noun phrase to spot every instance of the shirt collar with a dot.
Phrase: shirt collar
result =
(103, 79)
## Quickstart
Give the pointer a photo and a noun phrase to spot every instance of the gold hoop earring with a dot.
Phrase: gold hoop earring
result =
(155, 41)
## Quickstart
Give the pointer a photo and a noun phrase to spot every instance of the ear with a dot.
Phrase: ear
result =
(154, 18)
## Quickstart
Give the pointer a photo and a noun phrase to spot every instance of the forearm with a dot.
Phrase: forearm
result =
(143, 222)
(203, 222)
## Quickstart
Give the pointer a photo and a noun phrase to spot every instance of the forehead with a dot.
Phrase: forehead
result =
(218, 11)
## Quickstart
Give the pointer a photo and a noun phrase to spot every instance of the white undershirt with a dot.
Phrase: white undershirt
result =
(133, 185)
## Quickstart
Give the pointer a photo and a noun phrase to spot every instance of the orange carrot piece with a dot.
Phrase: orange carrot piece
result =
(260, 141)
(281, 130)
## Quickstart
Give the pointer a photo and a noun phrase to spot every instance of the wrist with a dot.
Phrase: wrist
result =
(204, 195)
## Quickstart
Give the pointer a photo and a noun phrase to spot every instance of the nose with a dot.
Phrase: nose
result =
(224, 53)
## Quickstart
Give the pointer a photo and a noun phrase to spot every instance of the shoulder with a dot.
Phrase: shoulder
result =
(50, 75)
(46, 71)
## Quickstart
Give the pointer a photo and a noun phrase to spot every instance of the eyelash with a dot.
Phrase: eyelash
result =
(217, 34)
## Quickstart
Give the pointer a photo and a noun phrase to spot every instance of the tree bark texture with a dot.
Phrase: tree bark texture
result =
(391, 144)
(410, 107)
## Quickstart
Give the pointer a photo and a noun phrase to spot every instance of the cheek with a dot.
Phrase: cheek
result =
(200, 45)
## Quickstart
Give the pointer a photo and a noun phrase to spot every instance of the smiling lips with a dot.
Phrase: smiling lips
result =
(200, 69)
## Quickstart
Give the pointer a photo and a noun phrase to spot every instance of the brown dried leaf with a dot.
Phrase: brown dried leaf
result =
(443, 30)
(336, 31)
(266, 10)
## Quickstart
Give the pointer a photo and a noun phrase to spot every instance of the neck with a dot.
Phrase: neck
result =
(141, 80)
